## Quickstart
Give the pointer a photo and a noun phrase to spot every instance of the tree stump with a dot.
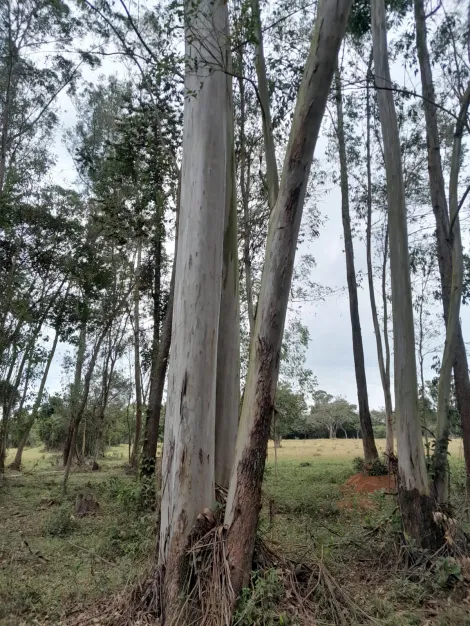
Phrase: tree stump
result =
(85, 505)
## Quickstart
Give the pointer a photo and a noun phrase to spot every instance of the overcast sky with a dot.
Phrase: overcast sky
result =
(330, 351)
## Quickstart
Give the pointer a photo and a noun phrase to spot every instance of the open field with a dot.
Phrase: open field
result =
(337, 449)
(53, 565)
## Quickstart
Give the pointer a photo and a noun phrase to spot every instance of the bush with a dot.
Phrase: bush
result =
(61, 523)
(373, 468)
(358, 464)
(128, 494)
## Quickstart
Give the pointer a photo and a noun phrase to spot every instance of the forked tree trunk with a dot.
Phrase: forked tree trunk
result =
(228, 348)
(417, 506)
(16, 464)
(137, 372)
(189, 441)
(368, 441)
(441, 473)
(384, 365)
(441, 214)
(244, 497)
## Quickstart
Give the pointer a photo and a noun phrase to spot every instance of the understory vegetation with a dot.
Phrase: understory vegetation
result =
(57, 567)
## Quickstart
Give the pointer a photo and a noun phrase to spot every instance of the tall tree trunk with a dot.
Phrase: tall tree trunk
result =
(157, 381)
(16, 464)
(137, 371)
(368, 441)
(228, 349)
(389, 446)
(263, 97)
(421, 375)
(244, 189)
(441, 215)
(384, 365)
(417, 506)
(441, 473)
(244, 497)
(159, 368)
(75, 391)
(149, 448)
(189, 442)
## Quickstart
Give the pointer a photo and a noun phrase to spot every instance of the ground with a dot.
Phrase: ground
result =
(54, 564)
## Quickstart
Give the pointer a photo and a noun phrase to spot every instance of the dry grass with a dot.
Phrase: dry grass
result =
(336, 449)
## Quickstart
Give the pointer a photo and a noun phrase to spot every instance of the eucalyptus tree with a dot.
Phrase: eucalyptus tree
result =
(448, 241)
(258, 398)
(190, 418)
(368, 442)
(416, 502)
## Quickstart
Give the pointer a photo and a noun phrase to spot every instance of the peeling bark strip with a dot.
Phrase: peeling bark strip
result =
(188, 485)
(244, 497)
(368, 441)
(414, 487)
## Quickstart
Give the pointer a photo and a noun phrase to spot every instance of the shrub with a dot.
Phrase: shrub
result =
(257, 604)
(374, 468)
(61, 522)
(128, 494)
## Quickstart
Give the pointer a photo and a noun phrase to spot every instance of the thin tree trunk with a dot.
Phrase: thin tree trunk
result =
(83, 401)
(75, 391)
(8, 407)
(384, 366)
(441, 214)
(244, 497)
(137, 372)
(244, 184)
(441, 482)
(263, 97)
(152, 425)
(421, 378)
(16, 464)
(368, 441)
(149, 448)
(228, 348)
(417, 506)
(154, 406)
(189, 442)
(389, 445)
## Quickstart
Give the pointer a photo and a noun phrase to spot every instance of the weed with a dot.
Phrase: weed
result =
(447, 571)
(61, 522)
(257, 604)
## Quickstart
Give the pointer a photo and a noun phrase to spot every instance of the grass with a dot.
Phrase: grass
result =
(52, 564)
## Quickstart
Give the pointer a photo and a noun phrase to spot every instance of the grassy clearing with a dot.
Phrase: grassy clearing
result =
(53, 565)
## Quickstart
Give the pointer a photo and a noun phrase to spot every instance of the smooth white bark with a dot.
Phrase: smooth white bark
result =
(228, 349)
(411, 461)
(189, 440)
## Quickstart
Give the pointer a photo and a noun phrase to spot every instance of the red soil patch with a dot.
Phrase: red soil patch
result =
(369, 484)
(357, 489)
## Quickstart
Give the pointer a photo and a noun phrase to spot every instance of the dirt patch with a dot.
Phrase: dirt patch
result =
(357, 489)
(369, 484)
